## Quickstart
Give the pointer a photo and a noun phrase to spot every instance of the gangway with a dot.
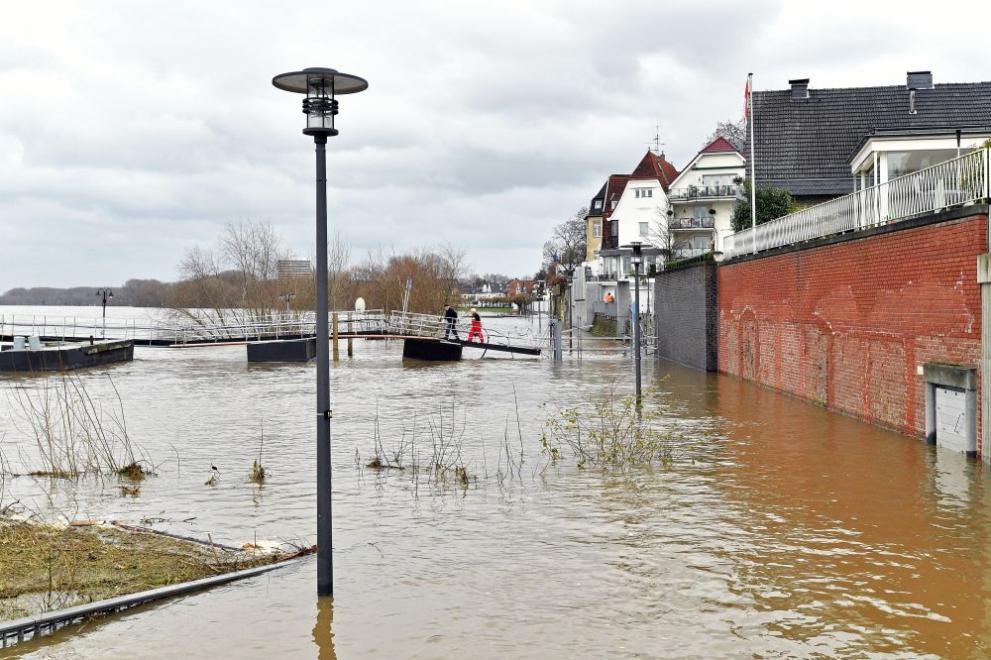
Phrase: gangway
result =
(438, 328)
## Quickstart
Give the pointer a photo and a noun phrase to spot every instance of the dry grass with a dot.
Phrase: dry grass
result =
(45, 567)
(75, 434)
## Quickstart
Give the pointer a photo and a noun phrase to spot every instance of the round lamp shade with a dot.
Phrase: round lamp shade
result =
(303, 81)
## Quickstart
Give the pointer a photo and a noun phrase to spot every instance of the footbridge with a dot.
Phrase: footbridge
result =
(224, 327)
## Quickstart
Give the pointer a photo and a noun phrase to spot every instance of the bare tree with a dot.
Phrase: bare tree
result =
(567, 243)
(239, 280)
(734, 131)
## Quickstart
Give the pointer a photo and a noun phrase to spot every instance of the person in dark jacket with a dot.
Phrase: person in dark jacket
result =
(451, 317)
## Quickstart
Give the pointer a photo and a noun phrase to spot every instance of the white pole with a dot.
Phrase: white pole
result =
(753, 164)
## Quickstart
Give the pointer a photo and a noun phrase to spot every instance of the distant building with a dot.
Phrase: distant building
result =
(823, 143)
(294, 268)
(517, 287)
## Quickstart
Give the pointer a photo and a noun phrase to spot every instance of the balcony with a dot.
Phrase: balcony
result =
(703, 192)
(689, 252)
(676, 224)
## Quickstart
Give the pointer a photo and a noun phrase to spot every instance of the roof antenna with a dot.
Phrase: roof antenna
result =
(656, 142)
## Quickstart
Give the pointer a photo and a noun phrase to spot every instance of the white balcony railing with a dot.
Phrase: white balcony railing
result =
(951, 183)
(700, 192)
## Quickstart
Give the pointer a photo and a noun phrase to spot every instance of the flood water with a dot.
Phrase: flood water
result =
(778, 530)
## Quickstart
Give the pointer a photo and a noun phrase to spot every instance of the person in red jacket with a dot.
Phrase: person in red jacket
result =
(476, 326)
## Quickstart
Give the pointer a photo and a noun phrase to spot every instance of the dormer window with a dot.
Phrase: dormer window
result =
(597, 205)
(643, 192)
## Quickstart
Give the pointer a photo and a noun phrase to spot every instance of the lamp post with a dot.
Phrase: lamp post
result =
(105, 294)
(636, 260)
(287, 298)
(321, 86)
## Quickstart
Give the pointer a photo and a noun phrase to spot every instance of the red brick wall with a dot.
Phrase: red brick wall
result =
(847, 325)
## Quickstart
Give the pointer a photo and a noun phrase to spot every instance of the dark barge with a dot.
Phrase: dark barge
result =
(65, 357)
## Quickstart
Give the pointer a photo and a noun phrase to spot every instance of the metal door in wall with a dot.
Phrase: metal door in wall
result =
(951, 418)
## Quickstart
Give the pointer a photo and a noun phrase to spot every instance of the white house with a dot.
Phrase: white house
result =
(640, 214)
(703, 198)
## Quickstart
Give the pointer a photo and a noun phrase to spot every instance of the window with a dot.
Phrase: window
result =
(596, 229)
(597, 205)
(901, 163)
(643, 192)
(614, 229)
(643, 228)
(717, 179)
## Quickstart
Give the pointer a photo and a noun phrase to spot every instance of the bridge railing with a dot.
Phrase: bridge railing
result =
(189, 327)
(430, 325)
(270, 326)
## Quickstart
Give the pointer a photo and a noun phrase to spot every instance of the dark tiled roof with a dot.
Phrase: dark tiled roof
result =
(654, 166)
(805, 145)
(610, 191)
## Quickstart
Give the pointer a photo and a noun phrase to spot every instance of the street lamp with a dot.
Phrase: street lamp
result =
(636, 260)
(287, 298)
(321, 86)
(105, 294)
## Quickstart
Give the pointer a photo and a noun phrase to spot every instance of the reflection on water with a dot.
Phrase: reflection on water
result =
(323, 632)
(780, 530)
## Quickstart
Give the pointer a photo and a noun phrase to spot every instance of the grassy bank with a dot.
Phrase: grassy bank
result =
(46, 567)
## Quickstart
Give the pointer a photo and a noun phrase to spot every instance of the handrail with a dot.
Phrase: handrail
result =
(952, 183)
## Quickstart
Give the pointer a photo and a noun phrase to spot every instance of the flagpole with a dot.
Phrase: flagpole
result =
(753, 163)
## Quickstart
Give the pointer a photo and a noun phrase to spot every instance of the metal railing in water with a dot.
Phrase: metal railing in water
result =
(945, 185)
(189, 328)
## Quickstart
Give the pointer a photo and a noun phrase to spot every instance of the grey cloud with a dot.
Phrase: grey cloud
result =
(128, 136)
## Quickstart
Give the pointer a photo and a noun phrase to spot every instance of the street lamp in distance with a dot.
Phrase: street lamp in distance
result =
(105, 295)
(321, 86)
(636, 260)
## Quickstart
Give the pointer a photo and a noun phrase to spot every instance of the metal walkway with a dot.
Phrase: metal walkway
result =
(427, 326)
(235, 327)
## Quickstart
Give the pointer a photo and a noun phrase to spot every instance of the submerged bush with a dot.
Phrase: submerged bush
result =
(610, 431)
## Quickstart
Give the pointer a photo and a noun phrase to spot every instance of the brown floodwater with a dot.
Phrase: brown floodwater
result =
(778, 529)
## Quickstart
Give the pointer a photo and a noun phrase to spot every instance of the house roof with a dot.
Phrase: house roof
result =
(610, 191)
(655, 166)
(805, 144)
(719, 145)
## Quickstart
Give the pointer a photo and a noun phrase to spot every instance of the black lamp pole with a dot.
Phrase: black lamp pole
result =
(105, 293)
(320, 86)
(637, 258)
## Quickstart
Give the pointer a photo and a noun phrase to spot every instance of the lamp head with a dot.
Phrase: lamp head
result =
(321, 87)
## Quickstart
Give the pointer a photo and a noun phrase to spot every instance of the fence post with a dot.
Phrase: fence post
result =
(987, 174)
(554, 325)
(350, 336)
(337, 355)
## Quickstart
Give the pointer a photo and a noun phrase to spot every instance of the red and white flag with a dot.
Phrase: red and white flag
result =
(746, 100)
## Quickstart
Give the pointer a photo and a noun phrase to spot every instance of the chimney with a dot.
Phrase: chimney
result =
(919, 80)
(799, 88)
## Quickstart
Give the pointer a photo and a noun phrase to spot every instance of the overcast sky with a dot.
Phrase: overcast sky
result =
(132, 131)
